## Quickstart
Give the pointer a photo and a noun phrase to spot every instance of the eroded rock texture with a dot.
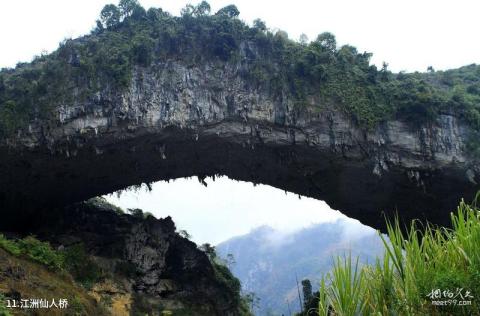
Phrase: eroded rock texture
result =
(144, 260)
(176, 121)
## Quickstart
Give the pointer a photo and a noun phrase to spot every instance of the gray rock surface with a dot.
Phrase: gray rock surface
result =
(178, 120)
(165, 270)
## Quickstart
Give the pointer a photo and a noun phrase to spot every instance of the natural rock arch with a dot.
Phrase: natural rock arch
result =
(177, 121)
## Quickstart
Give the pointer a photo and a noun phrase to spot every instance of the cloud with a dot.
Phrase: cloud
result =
(353, 229)
(226, 208)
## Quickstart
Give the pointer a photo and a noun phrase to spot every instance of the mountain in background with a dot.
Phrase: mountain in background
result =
(267, 261)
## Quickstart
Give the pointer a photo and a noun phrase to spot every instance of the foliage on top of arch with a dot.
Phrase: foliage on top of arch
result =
(129, 36)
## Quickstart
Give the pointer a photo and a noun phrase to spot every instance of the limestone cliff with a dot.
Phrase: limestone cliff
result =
(144, 266)
(176, 121)
(157, 97)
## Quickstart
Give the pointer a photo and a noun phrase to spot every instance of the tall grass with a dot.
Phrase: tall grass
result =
(415, 263)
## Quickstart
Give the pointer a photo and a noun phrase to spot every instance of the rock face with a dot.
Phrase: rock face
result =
(152, 265)
(177, 120)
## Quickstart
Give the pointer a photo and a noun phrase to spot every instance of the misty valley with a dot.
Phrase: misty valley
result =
(271, 240)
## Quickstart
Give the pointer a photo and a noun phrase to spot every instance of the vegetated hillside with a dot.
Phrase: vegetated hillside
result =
(268, 261)
(105, 262)
(316, 72)
(23, 278)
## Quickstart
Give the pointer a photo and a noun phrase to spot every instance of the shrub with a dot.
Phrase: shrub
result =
(3, 309)
(41, 252)
(74, 259)
(102, 204)
(76, 306)
(136, 212)
(34, 249)
(10, 246)
(81, 266)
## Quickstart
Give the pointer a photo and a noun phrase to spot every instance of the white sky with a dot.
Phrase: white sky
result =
(226, 208)
(408, 34)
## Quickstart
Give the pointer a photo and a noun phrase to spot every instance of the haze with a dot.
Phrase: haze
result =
(227, 208)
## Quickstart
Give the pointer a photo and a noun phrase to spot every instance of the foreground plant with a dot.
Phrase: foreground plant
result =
(427, 271)
(3, 309)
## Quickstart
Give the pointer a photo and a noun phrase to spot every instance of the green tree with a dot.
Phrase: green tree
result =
(81, 266)
(184, 234)
(142, 51)
(307, 292)
(230, 11)
(136, 212)
(202, 9)
(98, 26)
(252, 300)
(3, 309)
(188, 10)
(282, 35)
(259, 25)
(154, 14)
(209, 251)
(384, 71)
(230, 261)
(303, 39)
(110, 15)
(127, 7)
(327, 41)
